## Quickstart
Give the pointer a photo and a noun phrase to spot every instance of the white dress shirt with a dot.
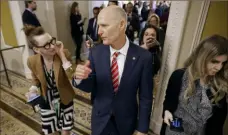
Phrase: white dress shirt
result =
(121, 57)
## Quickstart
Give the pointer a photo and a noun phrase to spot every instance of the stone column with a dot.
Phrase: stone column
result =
(176, 23)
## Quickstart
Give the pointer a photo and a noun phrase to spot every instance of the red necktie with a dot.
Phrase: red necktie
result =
(115, 72)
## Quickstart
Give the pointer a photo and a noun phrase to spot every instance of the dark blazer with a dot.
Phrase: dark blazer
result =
(214, 125)
(30, 19)
(136, 78)
(91, 30)
(76, 29)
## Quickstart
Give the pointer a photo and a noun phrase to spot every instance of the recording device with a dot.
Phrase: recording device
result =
(176, 125)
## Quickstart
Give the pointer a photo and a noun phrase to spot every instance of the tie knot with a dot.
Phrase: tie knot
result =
(115, 55)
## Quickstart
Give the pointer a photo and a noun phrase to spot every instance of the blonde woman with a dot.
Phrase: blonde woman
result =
(195, 102)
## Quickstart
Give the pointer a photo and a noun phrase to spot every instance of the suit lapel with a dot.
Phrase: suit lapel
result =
(56, 67)
(40, 71)
(131, 59)
(105, 64)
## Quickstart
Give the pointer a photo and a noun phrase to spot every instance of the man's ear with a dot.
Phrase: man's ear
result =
(122, 25)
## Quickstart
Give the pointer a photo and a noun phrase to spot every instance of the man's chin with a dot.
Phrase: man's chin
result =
(105, 42)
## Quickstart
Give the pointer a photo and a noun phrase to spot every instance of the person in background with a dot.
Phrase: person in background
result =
(92, 29)
(164, 19)
(154, 19)
(124, 7)
(133, 24)
(149, 41)
(77, 32)
(101, 7)
(197, 94)
(28, 16)
(144, 14)
(113, 2)
(51, 70)
(116, 79)
(135, 9)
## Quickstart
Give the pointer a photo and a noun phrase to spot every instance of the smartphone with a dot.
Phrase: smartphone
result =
(90, 40)
(176, 125)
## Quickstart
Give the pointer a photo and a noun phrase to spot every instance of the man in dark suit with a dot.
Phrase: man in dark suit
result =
(29, 17)
(113, 2)
(133, 22)
(117, 73)
(92, 25)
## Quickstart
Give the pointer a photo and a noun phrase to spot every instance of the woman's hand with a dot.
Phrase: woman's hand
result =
(60, 51)
(59, 48)
(145, 46)
(168, 117)
(30, 94)
(150, 42)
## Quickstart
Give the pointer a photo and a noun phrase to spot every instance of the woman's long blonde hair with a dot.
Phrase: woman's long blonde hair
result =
(196, 66)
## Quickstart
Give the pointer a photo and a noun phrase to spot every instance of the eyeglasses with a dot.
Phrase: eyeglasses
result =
(48, 44)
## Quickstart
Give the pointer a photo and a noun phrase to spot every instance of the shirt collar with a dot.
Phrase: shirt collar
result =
(29, 10)
(123, 50)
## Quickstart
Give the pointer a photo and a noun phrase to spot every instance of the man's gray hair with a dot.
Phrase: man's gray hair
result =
(122, 14)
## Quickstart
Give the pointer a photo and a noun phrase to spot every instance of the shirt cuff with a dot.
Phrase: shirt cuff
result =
(66, 65)
(77, 81)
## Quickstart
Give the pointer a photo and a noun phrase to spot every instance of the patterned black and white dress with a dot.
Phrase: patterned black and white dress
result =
(55, 116)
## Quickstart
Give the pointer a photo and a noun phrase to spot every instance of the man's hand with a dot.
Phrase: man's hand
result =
(168, 117)
(82, 71)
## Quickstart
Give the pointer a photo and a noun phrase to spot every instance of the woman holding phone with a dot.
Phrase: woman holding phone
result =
(148, 41)
(51, 70)
(196, 96)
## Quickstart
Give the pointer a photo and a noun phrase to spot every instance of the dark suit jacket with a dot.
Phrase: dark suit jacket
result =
(91, 30)
(30, 19)
(136, 78)
(134, 22)
(76, 29)
(214, 125)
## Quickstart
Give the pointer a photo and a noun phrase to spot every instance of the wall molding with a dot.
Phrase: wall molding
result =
(200, 24)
